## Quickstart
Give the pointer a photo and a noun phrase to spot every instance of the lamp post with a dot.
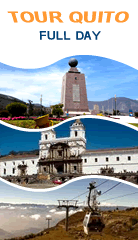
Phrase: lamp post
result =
(48, 218)
(115, 106)
(41, 103)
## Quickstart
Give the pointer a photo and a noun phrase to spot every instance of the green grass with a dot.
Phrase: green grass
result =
(26, 123)
(32, 124)
(134, 124)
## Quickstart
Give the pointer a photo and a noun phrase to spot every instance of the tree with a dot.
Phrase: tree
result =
(12, 153)
(4, 113)
(57, 110)
(136, 114)
(31, 108)
(116, 112)
(16, 109)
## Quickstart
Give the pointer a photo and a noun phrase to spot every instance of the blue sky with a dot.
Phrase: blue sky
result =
(11, 139)
(99, 134)
(104, 79)
(11, 194)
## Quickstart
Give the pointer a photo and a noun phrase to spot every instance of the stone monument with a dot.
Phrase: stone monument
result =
(73, 93)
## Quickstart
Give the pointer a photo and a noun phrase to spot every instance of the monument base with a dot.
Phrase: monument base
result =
(73, 113)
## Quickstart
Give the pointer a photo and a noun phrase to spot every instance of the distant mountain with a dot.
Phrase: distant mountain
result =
(111, 208)
(26, 231)
(123, 104)
(35, 152)
(20, 153)
(35, 205)
(5, 234)
(6, 99)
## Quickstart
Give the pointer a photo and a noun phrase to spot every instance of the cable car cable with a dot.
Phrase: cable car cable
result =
(79, 195)
(120, 196)
(115, 198)
(102, 183)
(88, 191)
(110, 189)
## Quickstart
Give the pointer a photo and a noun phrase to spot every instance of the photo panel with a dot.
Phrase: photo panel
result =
(78, 147)
(73, 86)
(89, 207)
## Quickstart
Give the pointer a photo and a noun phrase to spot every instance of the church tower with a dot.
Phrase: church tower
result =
(73, 94)
(44, 144)
(77, 129)
(48, 135)
(77, 136)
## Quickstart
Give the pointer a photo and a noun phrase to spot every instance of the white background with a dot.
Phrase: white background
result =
(20, 45)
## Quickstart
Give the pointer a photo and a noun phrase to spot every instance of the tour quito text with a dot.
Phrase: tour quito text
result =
(75, 17)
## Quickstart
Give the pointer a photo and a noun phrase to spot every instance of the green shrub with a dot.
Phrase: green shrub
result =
(134, 221)
(4, 113)
(16, 109)
(57, 110)
(136, 114)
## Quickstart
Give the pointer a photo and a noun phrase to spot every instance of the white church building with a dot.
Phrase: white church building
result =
(68, 155)
(18, 165)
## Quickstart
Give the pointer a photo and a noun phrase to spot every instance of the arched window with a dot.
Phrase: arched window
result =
(46, 136)
(60, 153)
(76, 133)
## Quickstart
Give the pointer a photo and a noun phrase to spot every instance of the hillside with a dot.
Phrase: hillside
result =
(123, 104)
(118, 225)
(14, 154)
(5, 234)
(5, 100)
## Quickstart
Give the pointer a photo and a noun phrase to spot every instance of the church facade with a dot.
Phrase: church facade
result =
(62, 155)
(68, 155)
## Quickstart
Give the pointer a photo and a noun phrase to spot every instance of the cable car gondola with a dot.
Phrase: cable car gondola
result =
(93, 220)
(93, 223)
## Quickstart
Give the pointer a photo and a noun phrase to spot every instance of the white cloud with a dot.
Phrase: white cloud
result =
(30, 86)
(107, 204)
(3, 207)
(80, 210)
(11, 208)
(61, 213)
(53, 210)
(35, 216)
(72, 212)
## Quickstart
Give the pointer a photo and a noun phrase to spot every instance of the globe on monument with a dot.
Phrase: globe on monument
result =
(73, 62)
